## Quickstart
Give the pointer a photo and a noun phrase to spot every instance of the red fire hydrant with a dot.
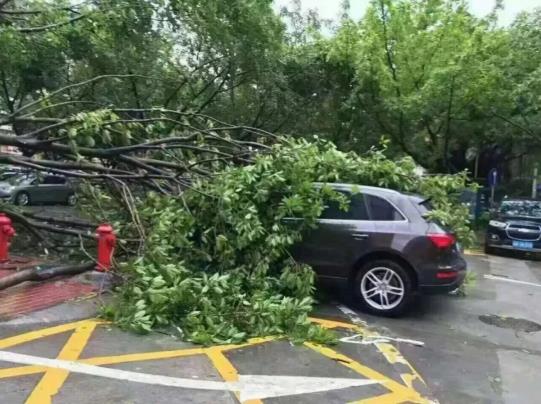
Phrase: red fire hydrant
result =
(6, 233)
(106, 247)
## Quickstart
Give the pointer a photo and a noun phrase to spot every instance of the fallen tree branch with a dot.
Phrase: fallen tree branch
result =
(42, 273)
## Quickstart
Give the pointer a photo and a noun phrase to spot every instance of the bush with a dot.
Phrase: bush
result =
(216, 263)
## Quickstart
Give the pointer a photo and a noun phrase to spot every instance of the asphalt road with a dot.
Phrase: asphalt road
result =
(483, 348)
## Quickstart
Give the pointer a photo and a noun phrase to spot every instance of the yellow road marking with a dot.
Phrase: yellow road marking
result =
(402, 392)
(474, 252)
(137, 357)
(394, 356)
(46, 332)
(335, 324)
(52, 381)
(389, 398)
(226, 370)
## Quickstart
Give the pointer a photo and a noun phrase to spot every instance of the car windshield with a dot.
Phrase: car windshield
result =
(521, 208)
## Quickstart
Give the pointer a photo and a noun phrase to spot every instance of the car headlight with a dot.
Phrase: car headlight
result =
(498, 224)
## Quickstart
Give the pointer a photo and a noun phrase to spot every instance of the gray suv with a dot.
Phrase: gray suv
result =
(383, 248)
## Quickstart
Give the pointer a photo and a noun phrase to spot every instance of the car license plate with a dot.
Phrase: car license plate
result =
(527, 245)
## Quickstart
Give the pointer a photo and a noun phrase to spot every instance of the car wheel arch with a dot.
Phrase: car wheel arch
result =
(385, 255)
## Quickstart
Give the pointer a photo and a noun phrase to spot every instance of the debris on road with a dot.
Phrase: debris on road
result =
(43, 272)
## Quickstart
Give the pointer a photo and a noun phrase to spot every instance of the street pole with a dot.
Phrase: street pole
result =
(534, 182)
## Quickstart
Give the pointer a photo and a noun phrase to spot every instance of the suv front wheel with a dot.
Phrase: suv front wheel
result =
(383, 287)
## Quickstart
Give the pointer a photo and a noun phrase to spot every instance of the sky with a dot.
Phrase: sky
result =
(329, 9)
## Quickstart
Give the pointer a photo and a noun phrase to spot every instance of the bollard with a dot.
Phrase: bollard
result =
(106, 247)
(6, 233)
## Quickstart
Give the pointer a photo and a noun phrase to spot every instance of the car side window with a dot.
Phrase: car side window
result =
(49, 180)
(382, 210)
(357, 210)
(54, 180)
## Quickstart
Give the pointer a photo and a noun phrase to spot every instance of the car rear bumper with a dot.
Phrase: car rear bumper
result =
(453, 277)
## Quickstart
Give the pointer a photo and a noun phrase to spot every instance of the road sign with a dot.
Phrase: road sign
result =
(493, 178)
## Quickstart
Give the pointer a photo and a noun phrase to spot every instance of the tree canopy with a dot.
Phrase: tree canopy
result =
(428, 75)
(162, 107)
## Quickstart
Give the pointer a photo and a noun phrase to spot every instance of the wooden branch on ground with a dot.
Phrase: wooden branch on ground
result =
(42, 273)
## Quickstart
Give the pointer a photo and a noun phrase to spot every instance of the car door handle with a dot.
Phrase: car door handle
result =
(360, 236)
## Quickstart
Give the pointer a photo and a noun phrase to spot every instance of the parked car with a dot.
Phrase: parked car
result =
(26, 189)
(515, 225)
(383, 248)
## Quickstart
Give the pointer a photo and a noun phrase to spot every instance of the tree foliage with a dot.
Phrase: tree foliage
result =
(217, 261)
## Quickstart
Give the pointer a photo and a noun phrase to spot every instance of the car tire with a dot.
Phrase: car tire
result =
(22, 199)
(489, 250)
(71, 200)
(396, 291)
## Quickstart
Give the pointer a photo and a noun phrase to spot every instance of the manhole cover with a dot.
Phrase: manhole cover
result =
(517, 324)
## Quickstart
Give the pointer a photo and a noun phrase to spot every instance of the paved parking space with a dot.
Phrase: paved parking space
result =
(483, 348)
(88, 361)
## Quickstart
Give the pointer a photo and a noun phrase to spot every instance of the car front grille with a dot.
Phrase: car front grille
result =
(523, 232)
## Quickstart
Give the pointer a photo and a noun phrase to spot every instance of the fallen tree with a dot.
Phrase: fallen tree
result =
(198, 205)
(216, 263)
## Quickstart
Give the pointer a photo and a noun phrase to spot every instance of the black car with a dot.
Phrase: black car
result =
(516, 225)
(383, 248)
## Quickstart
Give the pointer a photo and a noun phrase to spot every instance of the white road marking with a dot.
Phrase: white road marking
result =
(353, 317)
(249, 386)
(376, 339)
(501, 278)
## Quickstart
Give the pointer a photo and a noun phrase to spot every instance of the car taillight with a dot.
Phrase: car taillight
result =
(442, 241)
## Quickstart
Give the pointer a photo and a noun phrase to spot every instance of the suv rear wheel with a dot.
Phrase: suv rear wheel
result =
(22, 199)
(383, 287)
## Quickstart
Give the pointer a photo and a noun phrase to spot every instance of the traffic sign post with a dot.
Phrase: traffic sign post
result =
(492, 182)
(534, 182)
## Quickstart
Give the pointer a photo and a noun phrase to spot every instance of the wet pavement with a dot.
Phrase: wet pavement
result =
(483, 348)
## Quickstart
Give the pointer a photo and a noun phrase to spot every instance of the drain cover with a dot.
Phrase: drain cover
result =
(517, 324)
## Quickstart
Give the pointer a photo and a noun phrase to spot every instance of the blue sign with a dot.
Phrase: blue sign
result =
(493, 178)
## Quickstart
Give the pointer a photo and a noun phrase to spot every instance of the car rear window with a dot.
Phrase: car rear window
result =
(381, 210)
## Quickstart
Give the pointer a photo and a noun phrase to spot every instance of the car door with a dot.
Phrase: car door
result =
(34, 189)
(55, 189)
(339, 240)
(47, 189)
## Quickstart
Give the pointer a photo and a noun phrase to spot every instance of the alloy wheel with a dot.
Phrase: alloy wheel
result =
(22, 199)
(72, 200)
(382, 288)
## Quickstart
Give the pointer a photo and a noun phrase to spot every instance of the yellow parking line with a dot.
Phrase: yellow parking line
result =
(394, 356)
(33, 335)
(389, 398)
(52, 381)
(226, 369)
(330, 324)
(403, 393)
